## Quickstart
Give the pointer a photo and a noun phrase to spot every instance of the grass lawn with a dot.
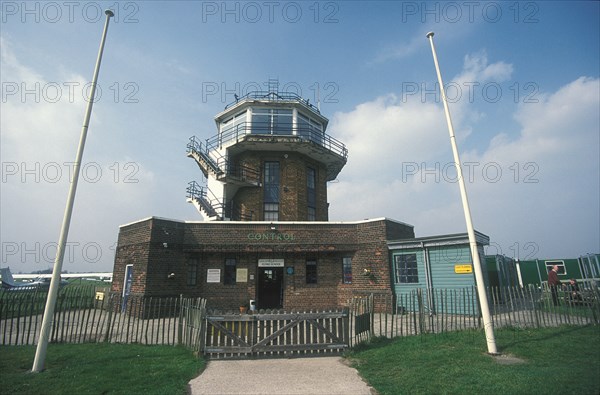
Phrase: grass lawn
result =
(563, 360)
(99, 369)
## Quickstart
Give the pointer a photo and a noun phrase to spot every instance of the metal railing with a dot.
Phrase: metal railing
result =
(206, 199)
(238, 132)
(214, 206)
(273, 97)
(209, 152)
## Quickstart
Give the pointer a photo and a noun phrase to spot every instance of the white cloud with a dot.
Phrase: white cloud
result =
(477, 69)
(39, 141)
(536, 194)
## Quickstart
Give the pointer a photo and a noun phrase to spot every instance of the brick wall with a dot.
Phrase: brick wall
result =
(293, 191)
(160, 251)
(132, 248)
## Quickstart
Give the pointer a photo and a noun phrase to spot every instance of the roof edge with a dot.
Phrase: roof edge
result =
(226, 223)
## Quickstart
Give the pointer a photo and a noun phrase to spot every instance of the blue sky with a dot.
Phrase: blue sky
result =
(523, 79)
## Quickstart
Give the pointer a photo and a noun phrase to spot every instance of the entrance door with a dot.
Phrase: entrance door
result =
(270, 287)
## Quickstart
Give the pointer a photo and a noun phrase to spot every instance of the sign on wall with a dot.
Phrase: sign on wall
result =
(463, 269)
(213, 275)
(241, 275)
(270, 263)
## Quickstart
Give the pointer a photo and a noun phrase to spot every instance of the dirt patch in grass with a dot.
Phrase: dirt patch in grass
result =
(507, 359)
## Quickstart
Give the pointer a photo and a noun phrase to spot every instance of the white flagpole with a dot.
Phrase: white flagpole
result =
(483, 300)
(40, 353)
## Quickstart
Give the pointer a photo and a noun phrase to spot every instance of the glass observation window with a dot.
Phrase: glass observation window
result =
(233, 126)
(309, 129)
(272, 121)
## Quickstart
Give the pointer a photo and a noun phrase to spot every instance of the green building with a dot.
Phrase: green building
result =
(535, 271)
(440, 263)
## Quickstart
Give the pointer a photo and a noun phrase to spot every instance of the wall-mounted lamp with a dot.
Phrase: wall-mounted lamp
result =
(165, 245)
(171, 275)
(370, 275)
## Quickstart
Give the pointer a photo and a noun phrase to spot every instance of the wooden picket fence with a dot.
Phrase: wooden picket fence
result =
(420, 311)
(85, 315)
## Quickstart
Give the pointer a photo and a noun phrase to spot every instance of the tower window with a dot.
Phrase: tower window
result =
(271, 191)
(311, 193)
(271, 121)
(309, 129)
(230, 128)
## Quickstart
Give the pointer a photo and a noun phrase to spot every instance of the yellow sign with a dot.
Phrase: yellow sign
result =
(463, 269)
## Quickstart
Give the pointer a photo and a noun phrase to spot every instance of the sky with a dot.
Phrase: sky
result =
(522, 80)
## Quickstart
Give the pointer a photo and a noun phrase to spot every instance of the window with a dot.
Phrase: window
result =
(406, 271)
(347, 270)
(229, 275)
(271, 121)
(233, 126)
(311, 193)
(561, 266)
(312, 214)
(311, 272)
(271, 212)
(309, 129)
(192, 272)
(271, 191)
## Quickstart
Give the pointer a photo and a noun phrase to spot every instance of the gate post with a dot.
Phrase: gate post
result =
(346, 324)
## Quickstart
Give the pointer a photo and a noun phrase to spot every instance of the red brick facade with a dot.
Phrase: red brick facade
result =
(163, 253)
(293, 195)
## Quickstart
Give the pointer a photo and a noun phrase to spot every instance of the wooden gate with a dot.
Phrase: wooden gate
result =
(276, 334)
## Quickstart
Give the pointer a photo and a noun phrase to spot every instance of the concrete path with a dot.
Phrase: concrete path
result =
(322, 375)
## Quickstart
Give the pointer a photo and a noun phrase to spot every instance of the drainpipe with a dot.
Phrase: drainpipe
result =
(428, 280)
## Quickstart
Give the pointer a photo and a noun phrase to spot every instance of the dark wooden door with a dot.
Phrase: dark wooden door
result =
(270, 287)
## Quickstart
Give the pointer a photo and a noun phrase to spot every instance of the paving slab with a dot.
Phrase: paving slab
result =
(322, 375)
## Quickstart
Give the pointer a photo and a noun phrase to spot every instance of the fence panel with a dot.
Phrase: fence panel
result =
(276, 334)
(457, 309)
(82, 316)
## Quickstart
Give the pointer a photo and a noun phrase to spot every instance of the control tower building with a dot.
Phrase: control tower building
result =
(265, 235)
(270, 160)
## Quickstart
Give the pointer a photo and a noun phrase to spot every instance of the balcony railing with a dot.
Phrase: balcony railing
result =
(273, 97)
(238, 132)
